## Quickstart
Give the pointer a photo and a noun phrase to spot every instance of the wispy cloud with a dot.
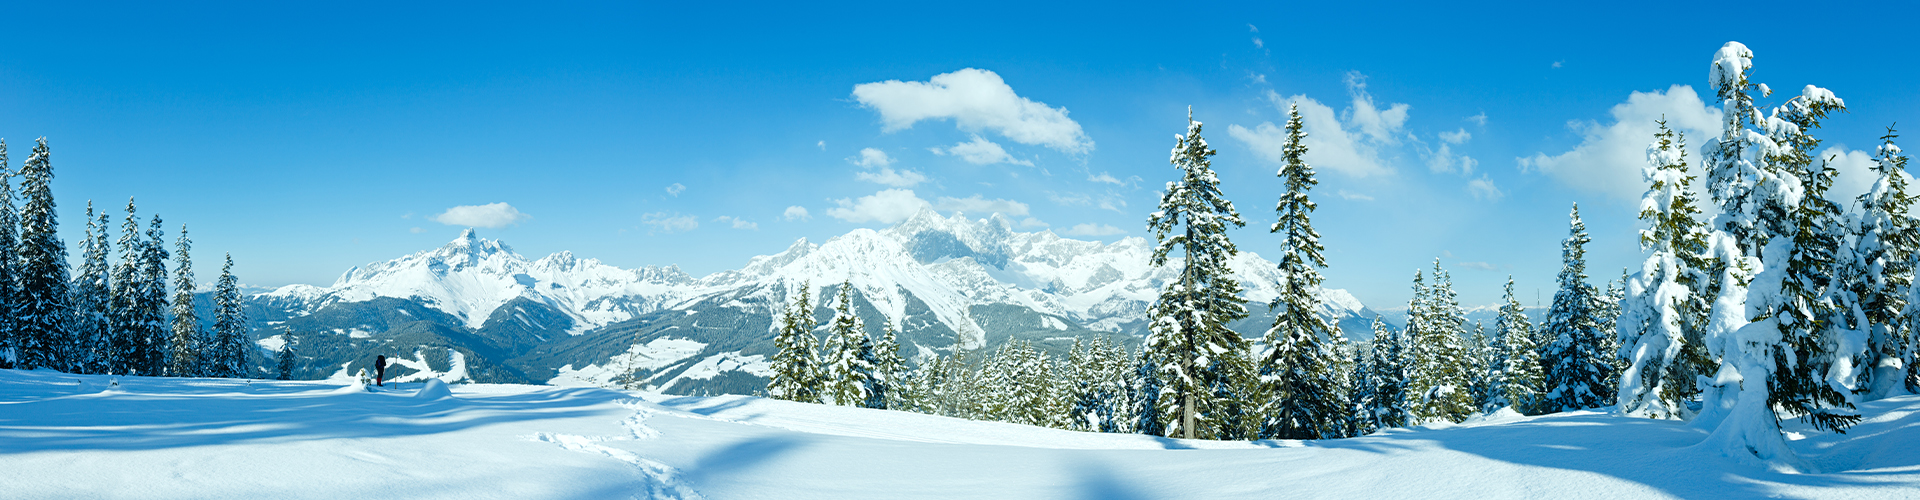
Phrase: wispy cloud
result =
(670, 223)
(796, 212)
(886, 207)
(1094, 230)
(976, 100)
(737, 223)
(981, 151)
(977, 205)
(492, 215)
(675, 190)
(1350, 195)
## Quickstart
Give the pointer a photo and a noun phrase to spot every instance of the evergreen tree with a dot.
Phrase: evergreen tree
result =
(1204, 365)
(889, 369)
(1479, 377)
(796, 367)
(44, 315)
(1575, 361)
(1145, 395)
(1019, 379)
(9, 266)
(1389, 362)
(230, 332)
(1883, 253)
(153, 293)
(1297, 376)
(93, 338)
(1655, 320)
(1439, 370)
(287, 357)
(1363, 397)
(850, 378)
(137, 347)
(1520, 371)
(188, 348)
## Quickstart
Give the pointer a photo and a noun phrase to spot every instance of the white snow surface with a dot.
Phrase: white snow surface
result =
(1097, 285)
(75, 436)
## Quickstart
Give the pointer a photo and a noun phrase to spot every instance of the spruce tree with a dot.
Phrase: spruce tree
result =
(1656, 316)
(287, 358)
(1389, 362)
(137, 348)
(1575, 361)
(9, 266)
(230, 332)
(796, 366)
(1439, 384)
(93, 338)
(1205, 365)
(889, 370)
(153, 294)
(849, 368)
(1298, 379)
(44, 313)
(1145, 395)
(1521, 373)
(1883, 252)
(188, 349)
(1480, 358)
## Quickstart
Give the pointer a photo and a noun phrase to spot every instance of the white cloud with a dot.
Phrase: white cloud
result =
(1609, 158)
(976, 100)
(1483, 189)
(675, 190)
(796, 212)
(493, 215)
(1477, 265)
(1032, 222)
(1105, 177)
(1479, 119)
(1351, 142)
(416, 230)
(981, 151)
(1345, 194)
(871, 159)
(823, 145)
(977, 205)
(1382, 125)
(737, 223)
(1458, 137)
(886, 207)
(1070, 199)
(1094, 230)
(1556, 64)
(1855, 174)
(1444, 161)
(674, 223)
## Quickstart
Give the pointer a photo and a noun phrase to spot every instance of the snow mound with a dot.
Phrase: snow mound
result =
(433, 389)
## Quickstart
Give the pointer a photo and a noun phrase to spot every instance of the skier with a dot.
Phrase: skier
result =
(380, 370)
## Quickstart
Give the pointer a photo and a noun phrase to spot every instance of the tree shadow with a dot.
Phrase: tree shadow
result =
(146, 414)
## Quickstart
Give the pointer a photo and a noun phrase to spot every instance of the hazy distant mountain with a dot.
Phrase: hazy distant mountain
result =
(474, 308)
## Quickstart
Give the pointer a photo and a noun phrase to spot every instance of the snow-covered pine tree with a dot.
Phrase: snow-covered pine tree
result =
(93, 340)
(1298, 380)
(137, 350)
(1479, 357)
(1362, 398)
(1438, 384)
(44, 315)
(1200, 358)
(230, 354)
(849, 367)
(187, 341)
(1018, 384)
(1342, 357)
(1885, 244)
(1390, 406)
(153, 299)
(288, 357)
(1525, 379)
(796, 366)
(889, 370)
(1115, 370)
(1144, 395)
(9, 265)
(1575, 360)
(1495, 376)
(1654, 321)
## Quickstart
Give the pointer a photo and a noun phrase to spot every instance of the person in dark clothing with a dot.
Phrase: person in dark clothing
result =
(380, 370)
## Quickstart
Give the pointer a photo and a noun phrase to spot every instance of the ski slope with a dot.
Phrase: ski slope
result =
(78, 436)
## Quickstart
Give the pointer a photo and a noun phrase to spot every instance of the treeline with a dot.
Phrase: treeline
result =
(109, 318)
(1786, 304)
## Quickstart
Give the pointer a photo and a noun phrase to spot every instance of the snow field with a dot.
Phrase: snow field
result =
(78, 436)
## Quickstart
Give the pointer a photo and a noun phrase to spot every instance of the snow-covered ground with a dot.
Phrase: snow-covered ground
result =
(75, 436)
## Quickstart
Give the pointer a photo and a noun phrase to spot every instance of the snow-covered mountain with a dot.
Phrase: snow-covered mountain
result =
(942, 281)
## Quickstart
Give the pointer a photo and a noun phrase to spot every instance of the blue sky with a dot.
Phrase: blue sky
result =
(306, 140)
